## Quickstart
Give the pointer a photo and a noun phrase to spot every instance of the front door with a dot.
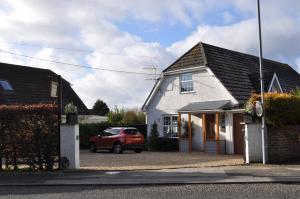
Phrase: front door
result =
(238, 135)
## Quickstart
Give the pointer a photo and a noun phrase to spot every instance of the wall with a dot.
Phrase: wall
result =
(283, 143)
(168, 99)
(253, 143)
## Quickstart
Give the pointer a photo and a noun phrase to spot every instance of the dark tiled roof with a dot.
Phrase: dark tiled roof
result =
(192, 58)
(238, 72)
(205, 106)
(32, 85)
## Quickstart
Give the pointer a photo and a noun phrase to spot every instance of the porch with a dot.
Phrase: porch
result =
(218, 129)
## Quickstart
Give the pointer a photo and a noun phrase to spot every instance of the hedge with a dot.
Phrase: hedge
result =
(29, 136)
(167, 144)
(281, 108)
(88, 130)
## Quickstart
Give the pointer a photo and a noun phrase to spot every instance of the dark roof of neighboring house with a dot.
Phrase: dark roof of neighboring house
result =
(32, 85)
(238, 72)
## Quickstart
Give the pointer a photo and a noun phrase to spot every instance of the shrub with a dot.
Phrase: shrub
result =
(280, 108)
(29, 136)
(153, 139)
(167, 144)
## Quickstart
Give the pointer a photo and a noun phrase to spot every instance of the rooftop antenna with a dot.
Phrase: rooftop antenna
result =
(154, 71)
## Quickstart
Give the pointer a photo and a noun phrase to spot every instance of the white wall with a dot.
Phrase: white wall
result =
(253, 142)
(168, 99)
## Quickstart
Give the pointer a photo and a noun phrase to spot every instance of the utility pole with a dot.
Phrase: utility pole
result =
(60, 87)
(261, 85)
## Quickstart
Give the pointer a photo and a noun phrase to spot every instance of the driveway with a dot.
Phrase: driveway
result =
(154, 160)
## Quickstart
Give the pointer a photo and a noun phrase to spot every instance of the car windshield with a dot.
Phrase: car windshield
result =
(131, 131)
(114, 131)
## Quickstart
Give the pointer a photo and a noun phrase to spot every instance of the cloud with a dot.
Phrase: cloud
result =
(94, 26)
(280, 32)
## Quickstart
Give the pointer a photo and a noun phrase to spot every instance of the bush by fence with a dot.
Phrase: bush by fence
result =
(88, 130)
(281, 108)
(167, 144)
(28, 136)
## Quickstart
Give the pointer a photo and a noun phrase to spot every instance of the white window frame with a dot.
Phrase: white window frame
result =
(184, 81)
(275, 78)
(170, 126)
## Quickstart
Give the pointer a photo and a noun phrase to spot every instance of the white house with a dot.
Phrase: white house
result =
(208, 86)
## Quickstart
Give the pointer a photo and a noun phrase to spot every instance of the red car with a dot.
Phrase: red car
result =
(118, 139)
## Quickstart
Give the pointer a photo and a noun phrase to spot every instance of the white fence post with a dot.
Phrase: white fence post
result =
(69, 144)
(253, 142)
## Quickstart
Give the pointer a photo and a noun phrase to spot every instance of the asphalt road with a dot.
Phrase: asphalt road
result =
(134, 192)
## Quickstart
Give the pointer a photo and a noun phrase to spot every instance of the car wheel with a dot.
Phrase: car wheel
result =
(138, 150)
(118, 148)
(92, 148)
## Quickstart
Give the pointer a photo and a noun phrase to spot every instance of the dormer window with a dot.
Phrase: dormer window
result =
(6, 85)
(186, 83)
(275, 85)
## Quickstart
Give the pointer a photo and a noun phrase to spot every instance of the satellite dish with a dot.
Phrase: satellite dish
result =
(258, 108)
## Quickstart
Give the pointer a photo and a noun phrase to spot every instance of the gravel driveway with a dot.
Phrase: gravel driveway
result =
(154, 160)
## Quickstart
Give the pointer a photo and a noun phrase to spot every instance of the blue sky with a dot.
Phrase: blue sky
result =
(133, 34)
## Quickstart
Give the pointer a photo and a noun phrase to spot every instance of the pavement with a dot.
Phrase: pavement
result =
(214, 175)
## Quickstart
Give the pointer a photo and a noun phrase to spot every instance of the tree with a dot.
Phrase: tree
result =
(100, 107)
(133, 117)
(116, 116)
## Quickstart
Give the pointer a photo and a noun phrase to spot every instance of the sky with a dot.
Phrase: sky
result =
(131, 35)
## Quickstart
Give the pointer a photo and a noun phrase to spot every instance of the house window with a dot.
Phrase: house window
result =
(186, 82)
(54, 89)
(5, 85)
(170, 126)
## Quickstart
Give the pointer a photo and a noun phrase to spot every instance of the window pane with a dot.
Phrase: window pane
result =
(186, 77)
(167, 120)
(131, 131)
(167, 132)
(186, 82)
(114, 131)
(5, 85)
(174, 120)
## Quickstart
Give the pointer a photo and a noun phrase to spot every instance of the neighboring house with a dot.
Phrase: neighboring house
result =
(210, 85)
(28, 85)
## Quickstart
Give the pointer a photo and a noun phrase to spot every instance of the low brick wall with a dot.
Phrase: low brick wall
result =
(283, 143)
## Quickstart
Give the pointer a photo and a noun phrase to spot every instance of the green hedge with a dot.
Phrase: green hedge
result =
(88, 130)
(167, 144)
(281, 109)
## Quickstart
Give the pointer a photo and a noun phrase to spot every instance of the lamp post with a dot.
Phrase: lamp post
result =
(261, 85)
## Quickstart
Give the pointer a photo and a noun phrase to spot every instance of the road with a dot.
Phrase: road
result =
(138, 192)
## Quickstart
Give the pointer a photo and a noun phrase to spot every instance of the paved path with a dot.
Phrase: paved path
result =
(245, 174)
